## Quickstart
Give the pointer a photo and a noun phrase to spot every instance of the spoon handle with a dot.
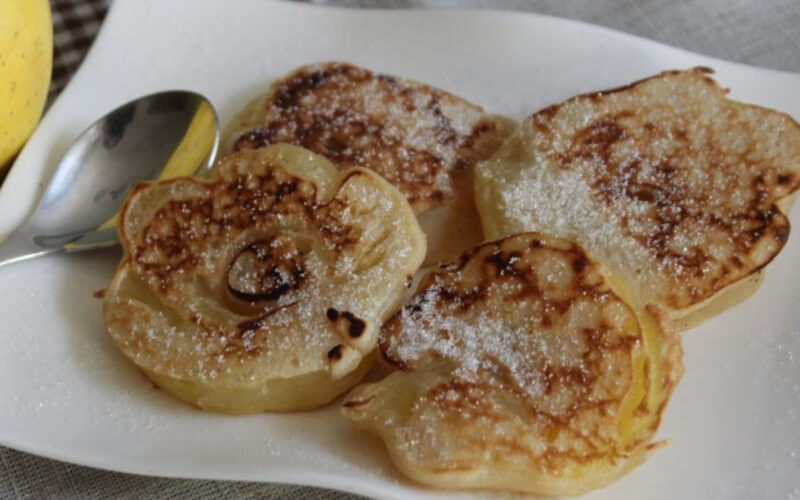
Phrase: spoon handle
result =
(20, 246)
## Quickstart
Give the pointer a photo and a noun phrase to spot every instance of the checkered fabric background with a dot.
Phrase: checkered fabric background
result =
(764, 33)
(75, 24)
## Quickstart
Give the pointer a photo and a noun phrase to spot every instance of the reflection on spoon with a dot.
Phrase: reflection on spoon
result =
(159, 136)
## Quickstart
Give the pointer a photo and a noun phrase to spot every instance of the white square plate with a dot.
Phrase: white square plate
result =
(66, 393)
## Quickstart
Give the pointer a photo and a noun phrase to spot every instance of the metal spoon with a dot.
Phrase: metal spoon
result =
(158, 136)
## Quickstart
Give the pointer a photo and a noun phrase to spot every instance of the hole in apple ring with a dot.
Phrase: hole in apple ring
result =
(267, 270)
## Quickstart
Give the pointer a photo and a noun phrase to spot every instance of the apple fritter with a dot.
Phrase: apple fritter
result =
(677, 188)
(520, 367)
(265, 287)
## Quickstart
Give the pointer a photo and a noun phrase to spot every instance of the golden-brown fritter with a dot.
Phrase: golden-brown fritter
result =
(263, 288)
(419, 138)
(675, 187)
(520, 367)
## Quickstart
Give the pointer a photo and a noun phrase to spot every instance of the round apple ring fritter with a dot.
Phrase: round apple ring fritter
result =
(263, 288)
(666, 181)
(519, 367)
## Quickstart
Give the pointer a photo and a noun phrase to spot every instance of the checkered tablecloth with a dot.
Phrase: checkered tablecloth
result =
(763, 33)
(75, 24)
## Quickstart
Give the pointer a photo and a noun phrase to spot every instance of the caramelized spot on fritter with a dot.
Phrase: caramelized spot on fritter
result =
(335, 353)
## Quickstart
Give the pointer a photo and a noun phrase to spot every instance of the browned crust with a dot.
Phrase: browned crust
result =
(171, 243)
(244, 210)
(769, 223)
(355, 117)
(499, 264)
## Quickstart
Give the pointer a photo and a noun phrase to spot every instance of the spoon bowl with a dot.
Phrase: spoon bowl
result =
(158, 136)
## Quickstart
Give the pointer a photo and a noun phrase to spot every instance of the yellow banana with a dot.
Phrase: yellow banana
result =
(26, 60)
